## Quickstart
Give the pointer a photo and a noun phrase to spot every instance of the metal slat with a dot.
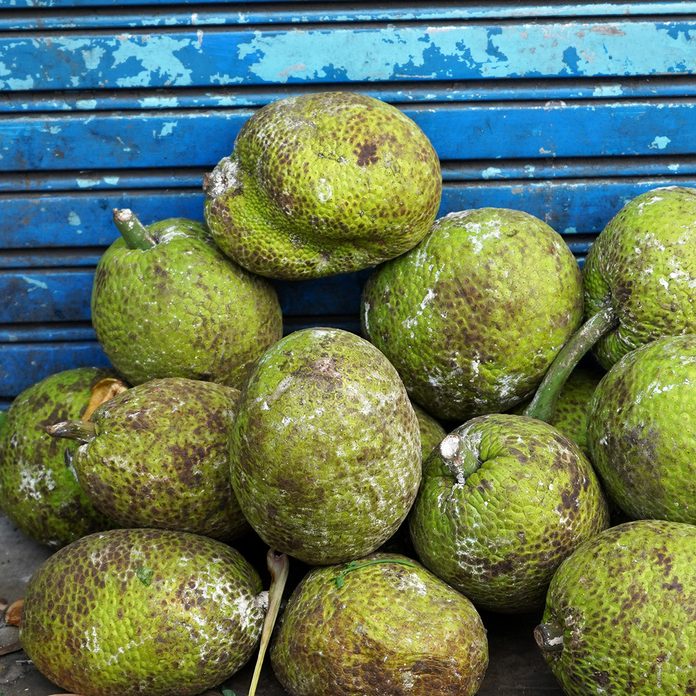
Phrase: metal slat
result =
(208, 57)
(53, 295)
(568, 205)
(291, 9)
(452, 171)
(46, 296)
(404, 93)
(21, 365)
(528, 130)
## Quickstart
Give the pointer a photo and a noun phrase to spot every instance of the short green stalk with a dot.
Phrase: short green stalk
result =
(132, 230)
(278, 566)
(82, 431)
(549, 637)
(544, 402)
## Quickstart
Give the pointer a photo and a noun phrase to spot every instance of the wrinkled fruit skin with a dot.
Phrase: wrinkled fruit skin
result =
(160, 458)
(142, 611)
(573, 405)
(386, 627)
(325, 448)
(431, 432)
(643, 265)
(467, 325)
(323, 184)
(38, 486)
(641, 433)
(181, 309)
(626, 601)
(503, 501)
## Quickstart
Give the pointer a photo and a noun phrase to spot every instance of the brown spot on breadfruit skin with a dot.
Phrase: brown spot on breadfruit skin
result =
(367, 154)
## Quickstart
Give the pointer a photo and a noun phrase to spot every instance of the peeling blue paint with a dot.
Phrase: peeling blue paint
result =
(607, 91)
(33, 283)
(158, 60)
(660, 142)
(471, 51)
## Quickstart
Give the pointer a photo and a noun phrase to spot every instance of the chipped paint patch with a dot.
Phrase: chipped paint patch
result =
(167, 129)
(607, 91)
(157, 57)
(660, 142)
(33, 283)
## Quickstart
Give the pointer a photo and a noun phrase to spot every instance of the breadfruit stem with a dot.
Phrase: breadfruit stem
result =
(278, 566)
(132, 230)
(82, 431)
(544, 402)
(549, 637)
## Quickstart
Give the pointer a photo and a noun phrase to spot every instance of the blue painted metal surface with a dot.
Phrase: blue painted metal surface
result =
(445, 52)
(664, 86)
(222, 15)
(567, 116)
(74, 219)
(528, 130)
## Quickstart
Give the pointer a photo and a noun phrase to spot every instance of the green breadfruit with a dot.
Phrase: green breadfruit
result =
(641, 432)
(504, 500)
(142, 611)
(167, 303)
(619, 615)
(157, 456)
(322, 184)
(467, 325)
(380, 625)
(39, 489)
(325, 448)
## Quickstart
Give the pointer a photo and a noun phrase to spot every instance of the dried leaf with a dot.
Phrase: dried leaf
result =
(13, 614)
(102, 391)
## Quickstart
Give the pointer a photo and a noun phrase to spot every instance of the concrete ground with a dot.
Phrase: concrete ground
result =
(515, 666)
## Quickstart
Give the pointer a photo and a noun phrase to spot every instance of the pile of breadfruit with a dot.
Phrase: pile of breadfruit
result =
(454, 457)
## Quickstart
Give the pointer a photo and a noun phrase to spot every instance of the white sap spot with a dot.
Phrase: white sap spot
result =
(366, 314)
(449, 446)
(324, 190)
(91, 641)
(74, 219)
(428, 297)
(491, 172)
(407, 680)
(660, 142)
(412, 582)
(663, 282)
(224, 177)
